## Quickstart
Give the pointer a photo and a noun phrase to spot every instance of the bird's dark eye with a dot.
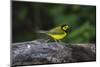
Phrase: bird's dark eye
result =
(65, 27)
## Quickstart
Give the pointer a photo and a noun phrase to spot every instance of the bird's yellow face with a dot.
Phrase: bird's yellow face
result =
(65, 27)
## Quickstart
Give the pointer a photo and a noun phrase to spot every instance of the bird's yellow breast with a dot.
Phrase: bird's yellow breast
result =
(58, 36)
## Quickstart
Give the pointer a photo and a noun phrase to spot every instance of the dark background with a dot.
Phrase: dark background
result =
(27, 17)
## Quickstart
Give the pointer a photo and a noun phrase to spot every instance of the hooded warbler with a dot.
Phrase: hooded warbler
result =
(57, 33)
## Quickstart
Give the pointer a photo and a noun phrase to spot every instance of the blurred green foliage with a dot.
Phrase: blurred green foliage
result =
(30, 16)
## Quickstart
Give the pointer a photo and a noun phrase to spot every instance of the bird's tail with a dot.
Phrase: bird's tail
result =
(41, 32)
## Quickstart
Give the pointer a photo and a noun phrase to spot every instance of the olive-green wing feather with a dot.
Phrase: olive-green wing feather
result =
(56, 30)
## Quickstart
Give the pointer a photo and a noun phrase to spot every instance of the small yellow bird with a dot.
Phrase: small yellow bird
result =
(57, 33)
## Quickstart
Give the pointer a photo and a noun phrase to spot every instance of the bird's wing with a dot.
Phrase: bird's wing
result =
(56, 30)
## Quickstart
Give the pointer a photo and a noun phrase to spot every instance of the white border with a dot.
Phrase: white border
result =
(83, 2)
(4, 33)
